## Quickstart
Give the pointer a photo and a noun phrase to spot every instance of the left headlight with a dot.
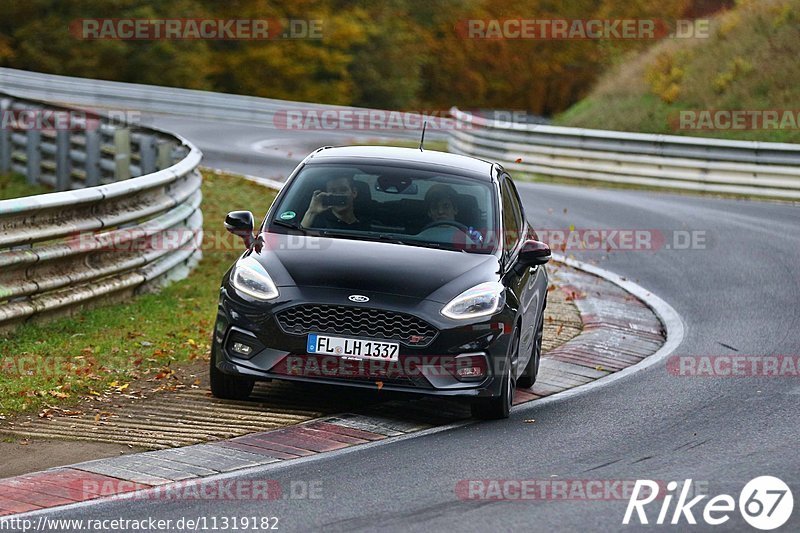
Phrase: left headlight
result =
(481, 300)
(250, 278)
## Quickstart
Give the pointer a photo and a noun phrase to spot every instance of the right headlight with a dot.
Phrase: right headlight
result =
(250, 278)
(481, 300)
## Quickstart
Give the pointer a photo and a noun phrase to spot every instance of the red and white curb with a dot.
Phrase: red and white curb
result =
(621, 332)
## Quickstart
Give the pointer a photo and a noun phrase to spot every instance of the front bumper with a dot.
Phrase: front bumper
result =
(432, 369)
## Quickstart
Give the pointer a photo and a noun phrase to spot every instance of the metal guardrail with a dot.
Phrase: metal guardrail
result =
(127, 218)
(695, 163)
(743, 167)
(175, 101)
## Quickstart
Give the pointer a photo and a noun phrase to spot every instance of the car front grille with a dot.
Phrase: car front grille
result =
(357, 322)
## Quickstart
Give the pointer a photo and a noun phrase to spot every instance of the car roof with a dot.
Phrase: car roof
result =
(415, 156)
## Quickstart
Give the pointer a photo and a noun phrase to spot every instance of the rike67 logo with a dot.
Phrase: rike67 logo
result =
(765, 503)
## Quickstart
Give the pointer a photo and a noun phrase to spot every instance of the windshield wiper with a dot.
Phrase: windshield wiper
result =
(379, 237)
(348, 235)
(397, 240)
(290, 225)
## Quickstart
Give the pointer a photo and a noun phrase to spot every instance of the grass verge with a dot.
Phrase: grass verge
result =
(15, 186)
(747, 62)
(102, 350)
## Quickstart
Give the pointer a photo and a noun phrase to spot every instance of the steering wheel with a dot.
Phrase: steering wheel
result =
(453, 223)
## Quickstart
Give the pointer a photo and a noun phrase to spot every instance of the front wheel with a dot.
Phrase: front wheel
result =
(226, 386)
(528, 376)
(499, 407)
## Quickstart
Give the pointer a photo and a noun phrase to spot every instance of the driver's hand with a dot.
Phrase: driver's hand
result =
(475, 235)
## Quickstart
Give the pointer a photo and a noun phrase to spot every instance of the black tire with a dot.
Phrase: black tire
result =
(226, 386)
(499, 407)
(528, 376)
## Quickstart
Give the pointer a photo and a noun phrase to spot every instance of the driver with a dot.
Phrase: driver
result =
(319, 215)
(442, 203)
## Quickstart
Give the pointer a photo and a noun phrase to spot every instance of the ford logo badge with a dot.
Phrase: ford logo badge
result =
(358, 298)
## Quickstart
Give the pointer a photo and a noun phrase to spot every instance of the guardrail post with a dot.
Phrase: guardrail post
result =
(5, 136)
(122, 151)
(63, 161)
(92, 163)
(164, 159)
(34, 155)
(147, 154)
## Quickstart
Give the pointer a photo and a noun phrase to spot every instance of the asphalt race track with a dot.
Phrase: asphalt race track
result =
(737, 295)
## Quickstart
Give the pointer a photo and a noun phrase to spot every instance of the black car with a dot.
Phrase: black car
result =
(389, 268)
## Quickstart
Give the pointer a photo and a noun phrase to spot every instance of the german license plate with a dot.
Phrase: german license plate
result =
(359, 348)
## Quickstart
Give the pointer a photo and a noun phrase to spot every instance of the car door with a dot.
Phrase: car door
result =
(538, 281)
(519, 280)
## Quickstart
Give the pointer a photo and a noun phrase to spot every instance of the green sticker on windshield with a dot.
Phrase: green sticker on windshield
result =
(288, 215)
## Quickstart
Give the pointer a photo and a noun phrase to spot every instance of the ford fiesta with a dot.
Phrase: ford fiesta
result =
(389, 268)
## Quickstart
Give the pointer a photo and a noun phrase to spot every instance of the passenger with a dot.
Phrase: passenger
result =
(319, 215)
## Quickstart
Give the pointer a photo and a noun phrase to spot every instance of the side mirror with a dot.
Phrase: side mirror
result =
(534, 253)
(241, 223)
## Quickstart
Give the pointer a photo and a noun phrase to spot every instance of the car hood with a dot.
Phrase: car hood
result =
(369, 266)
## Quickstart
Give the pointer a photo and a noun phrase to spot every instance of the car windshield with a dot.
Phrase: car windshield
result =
(390, 203)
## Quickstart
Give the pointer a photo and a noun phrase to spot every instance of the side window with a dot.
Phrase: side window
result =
(520, 211)
(512, 217)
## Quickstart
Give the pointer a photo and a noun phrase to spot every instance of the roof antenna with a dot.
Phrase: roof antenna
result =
(422, 140)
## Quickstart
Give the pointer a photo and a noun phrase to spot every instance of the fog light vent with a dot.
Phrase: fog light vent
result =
(470, 372)
(241, 348)
(470, 367)
(241, 344)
